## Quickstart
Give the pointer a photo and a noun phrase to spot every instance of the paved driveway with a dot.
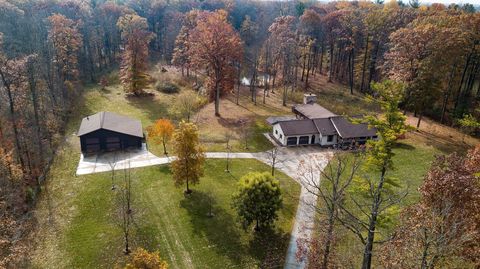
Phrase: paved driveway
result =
(105, 162)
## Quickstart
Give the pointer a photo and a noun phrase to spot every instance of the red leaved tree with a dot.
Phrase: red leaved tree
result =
(215, 46)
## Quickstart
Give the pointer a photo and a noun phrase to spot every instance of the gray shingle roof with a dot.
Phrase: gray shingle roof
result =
(274, 119)
(325, 126)
(347, 129)
(298, 127)
(312, 111)
(112, 122)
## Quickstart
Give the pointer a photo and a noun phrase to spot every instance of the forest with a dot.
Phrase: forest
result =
(51, 50)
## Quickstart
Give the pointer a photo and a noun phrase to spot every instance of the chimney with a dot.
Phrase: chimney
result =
(309, 98)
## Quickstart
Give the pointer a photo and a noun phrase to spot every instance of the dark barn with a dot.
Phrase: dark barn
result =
(107, 131)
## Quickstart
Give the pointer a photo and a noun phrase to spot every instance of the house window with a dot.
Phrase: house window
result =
(276, 132)
(330, 138)
(281, 136)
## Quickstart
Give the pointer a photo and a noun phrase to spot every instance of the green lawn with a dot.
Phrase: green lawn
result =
(78, 220)
(87, 231)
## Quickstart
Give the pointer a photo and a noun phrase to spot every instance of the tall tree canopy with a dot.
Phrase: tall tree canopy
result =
(136, 37)
(214, 47)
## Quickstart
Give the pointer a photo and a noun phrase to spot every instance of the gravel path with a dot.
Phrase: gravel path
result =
(288, 161)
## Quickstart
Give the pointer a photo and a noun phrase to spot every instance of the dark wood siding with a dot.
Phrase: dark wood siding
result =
(104, 140)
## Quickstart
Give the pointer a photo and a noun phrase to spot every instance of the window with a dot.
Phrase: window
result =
(330, 138)
(276, 132)
(281, 136)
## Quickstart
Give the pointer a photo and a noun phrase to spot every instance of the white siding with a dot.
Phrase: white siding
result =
(278, 134)
(324, 141)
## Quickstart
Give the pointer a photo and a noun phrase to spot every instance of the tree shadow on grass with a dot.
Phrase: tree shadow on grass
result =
(401, 145)
(152, 107)
(269, 246)
(219, 230)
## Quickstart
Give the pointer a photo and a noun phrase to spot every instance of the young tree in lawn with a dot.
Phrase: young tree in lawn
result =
(330, 184)
(443, 229)
(187, 168)
(66, 41)
(377, 195)
(216, 46)
(161, 132)
(143, 259)
(136, 37)
(228, 147)
(257, 200)
(125, 199)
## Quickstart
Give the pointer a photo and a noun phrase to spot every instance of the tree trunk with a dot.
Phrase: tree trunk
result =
(13, 119)
(321, 57)
(352, 69)
(217, 98)
(447, 93)
(367, 254)
(373, 64)
(330, 71)
(362, 89)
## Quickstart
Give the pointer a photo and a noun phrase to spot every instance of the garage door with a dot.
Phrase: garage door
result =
(113, 143)
(92, 144)
(291, 141)
(304, 140)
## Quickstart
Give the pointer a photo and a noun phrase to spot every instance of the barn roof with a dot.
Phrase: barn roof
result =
(112, 122)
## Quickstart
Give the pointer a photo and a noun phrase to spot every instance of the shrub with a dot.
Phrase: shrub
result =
(166, 87)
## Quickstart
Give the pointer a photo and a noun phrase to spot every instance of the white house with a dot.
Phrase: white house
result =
(315, 125)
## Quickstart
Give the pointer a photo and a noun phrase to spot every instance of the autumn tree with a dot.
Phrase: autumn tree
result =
(331, 185)
(161, 132)
(381, 189)
(215, 46)
(66, 41)
(443, 229)
(187, 168)
(143, 259)
(136, 37)
(257, 200)
(181, 51)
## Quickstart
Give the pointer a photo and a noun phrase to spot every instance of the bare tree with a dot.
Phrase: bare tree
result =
(274, 158)
(245, 131)
(125, 207)
(112, 163)
(228, 147)
(329, 184)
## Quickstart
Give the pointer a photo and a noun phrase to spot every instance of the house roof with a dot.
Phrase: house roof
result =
(347, 129)
(312, 111)
(275, 119)
(298, 127)
(325, 126)
(112, 122)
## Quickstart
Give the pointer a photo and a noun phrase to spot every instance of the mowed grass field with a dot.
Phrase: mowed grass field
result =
(78, 220)
(80, 224)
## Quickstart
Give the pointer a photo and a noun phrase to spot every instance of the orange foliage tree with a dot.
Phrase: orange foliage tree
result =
(136, 37)
(66, 41)
(161, 131)
(215, 46)
(142, 259)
